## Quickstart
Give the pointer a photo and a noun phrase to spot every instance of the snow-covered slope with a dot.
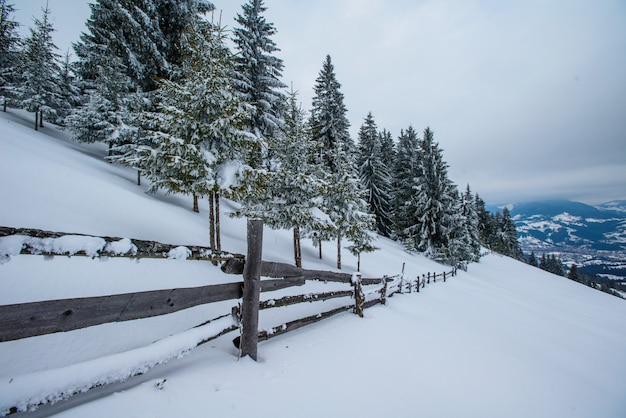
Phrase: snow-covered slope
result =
(503, 339)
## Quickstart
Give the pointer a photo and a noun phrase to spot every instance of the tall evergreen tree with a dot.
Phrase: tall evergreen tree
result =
(294, 191)
(10, 44)
(69, 90)
(375, 176)
(259, 71)
(107, 114)
(197, 141)
(433, 200)
(328, 123)
(387, 150)
(406, 174)
(343, 197)
(39, 91)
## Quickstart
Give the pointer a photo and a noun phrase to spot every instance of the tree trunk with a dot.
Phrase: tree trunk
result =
(297, 250)
(5, 105)
(218, 228)
(212, 221)
(339, 251)
(195, 203)
(41, 118)
(110, 150)
(36, 120)
(138, 178)
(358, 262)
(320, 247)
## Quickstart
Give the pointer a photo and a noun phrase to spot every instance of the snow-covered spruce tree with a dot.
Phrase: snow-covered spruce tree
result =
(433, 202)
(406, 173)
(70, 93)
(463, 244)
(328, 122)
(472, 233)
(387, 151)
(128, 30)
(10, 44)
(344, 197)
(375, 176)
(258, 73)
(292, 197)
(108, 110)
(346, 205)
(39, 91)
(506, 236)
(197, 142)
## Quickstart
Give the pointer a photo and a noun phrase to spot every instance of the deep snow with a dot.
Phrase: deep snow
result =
(503, 339)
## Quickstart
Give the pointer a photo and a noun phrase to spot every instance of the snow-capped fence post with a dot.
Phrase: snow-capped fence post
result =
(402, 279)
(383, 291)
(251, 290)
(359, 296)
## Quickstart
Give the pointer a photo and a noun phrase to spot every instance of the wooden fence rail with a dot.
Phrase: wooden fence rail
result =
(47, 317)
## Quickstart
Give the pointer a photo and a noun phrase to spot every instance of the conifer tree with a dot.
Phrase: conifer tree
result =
(70, 92)
(10, 44)
(39, 92)
(258, 72)
(197, 141)
(433, 201)
(532, 259)
(294, 191)
(106, 116)
(572, 274)
(406, 173)
(375, 176)
(343, 198)
(328, 123)
(387, 150)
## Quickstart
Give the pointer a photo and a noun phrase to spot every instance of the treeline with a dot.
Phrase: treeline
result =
(157, 81)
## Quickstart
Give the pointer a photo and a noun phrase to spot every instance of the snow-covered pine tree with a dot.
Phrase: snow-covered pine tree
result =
(387, 151)
(375, 176)
(463, 245)
(258, 73)
(293, 190)
(197, 142)
(174, 16)
(328, 122)
(344, 197)
(108, 110)
(471, 224)
(346, 205)
(39, 92)
(433, 201)
(128, 30)
(406, 173)
(71, 96)
(10, 44)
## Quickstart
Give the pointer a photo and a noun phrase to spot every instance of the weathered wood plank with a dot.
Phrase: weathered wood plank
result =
(293, 300)
(40, 318)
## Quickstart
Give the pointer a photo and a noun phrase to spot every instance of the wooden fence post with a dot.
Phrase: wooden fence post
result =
(444, 276)
(417, 286)
(251, 290)
(359, 296)
(383, 292)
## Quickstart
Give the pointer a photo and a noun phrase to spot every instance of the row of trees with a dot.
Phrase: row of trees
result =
(158, 83)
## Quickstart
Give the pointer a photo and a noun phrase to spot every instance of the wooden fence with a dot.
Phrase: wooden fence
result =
(40, 318)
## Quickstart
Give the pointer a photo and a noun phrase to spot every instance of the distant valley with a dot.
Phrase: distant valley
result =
(592, 237)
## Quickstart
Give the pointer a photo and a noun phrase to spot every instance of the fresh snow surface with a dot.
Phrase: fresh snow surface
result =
(502, 340)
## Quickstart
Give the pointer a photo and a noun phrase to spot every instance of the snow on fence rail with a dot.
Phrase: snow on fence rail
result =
(39, 318)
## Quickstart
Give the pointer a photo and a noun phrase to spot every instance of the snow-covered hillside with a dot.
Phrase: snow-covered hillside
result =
(503, 339)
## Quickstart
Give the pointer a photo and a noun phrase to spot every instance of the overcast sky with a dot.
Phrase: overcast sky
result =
(527, 98)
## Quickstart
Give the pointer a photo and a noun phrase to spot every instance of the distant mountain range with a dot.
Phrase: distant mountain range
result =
(592, 237)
